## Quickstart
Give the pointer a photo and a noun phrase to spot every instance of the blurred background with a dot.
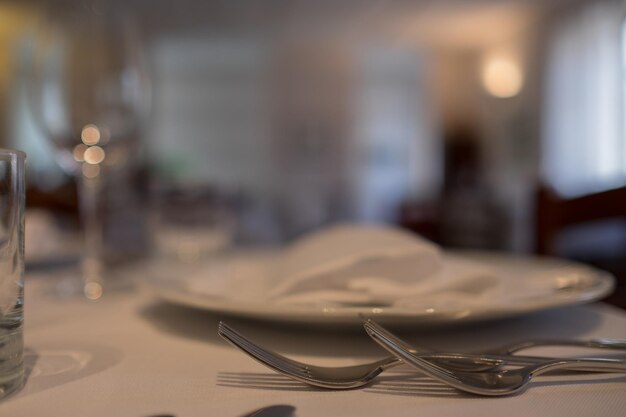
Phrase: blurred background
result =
(478, 124)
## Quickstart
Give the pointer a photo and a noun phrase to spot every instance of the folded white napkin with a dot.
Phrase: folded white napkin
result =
(351, 265)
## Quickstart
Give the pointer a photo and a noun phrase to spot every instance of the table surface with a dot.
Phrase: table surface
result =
(131, 355)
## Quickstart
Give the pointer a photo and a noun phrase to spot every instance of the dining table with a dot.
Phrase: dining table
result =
(131, 354)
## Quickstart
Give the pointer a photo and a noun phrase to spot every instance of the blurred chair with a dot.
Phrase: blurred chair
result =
(590, 229)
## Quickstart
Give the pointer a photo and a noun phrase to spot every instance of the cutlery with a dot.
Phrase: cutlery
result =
(279, 410)
(354, 376)
(489, 383)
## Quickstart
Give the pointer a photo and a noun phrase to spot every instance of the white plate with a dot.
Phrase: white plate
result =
(531, 284)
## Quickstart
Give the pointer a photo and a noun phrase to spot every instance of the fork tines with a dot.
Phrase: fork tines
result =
(275, 361)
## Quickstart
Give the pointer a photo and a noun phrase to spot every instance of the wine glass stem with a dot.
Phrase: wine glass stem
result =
(92, 265)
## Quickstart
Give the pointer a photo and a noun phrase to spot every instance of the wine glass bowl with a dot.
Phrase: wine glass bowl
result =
(90, 95)
(89, 85)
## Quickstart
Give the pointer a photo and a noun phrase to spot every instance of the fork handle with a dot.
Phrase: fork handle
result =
(592, 365)
(613, 344)
(477, 363)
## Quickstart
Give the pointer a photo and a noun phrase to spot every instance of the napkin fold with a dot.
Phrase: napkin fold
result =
(351, 265)
(374, 265)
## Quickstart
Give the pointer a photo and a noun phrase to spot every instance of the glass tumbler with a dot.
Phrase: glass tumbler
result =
(11, 271)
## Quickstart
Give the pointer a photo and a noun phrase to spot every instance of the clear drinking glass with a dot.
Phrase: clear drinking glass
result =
(89, 94)
(11, 270)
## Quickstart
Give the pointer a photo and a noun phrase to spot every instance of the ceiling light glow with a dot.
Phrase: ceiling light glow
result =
(502, 77)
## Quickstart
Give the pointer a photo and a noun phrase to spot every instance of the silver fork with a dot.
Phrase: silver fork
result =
(490, 383)
(347, 377)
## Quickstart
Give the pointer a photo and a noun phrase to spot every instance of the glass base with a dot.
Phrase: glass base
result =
(11, 353)
(12, 382)
(71, 282)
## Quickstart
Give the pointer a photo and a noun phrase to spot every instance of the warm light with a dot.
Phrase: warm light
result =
(502, 77)
(94, 155)
(93, 290)
(79, 152)
(90, 135)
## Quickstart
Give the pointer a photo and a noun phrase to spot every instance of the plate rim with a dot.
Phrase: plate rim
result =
(602, 284)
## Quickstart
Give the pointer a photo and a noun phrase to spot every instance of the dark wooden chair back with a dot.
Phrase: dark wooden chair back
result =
(554, 215)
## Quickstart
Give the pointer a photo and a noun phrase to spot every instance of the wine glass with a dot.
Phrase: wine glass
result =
(89, 95)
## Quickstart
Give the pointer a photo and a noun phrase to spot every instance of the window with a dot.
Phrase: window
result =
(584, 137)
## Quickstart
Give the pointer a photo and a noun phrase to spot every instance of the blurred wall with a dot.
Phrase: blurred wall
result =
(312, 112)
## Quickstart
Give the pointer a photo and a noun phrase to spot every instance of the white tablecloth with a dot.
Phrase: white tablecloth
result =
(128, 355)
